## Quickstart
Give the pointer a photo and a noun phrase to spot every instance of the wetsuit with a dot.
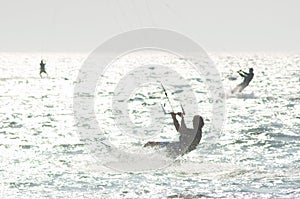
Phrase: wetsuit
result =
(188, 139)
(42, 69)
(247, 79)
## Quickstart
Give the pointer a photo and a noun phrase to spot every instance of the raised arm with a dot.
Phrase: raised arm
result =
(183, 125)
(175, 121)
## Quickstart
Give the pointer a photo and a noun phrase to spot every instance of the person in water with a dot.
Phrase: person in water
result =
(247, 79)
(42, 69)
(189, 138)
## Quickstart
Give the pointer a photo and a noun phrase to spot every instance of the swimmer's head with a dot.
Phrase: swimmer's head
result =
(251, 70)
(198, 122)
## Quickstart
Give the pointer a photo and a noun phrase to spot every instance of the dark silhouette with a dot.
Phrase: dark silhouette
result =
(247, 79)
(42, 69)
(188, 138)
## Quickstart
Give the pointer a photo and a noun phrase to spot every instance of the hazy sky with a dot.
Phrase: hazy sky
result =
(217, 25)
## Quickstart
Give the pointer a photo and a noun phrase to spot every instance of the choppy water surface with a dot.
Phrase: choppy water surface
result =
(257, 154)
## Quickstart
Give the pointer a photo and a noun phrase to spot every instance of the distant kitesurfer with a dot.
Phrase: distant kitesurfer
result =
(42, 69)
(247, 79)
(189, 138)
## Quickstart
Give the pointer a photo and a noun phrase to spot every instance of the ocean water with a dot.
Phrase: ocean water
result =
(255, 155)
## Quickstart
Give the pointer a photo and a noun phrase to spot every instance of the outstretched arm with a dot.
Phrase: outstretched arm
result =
(242, 73)
(245, 73)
